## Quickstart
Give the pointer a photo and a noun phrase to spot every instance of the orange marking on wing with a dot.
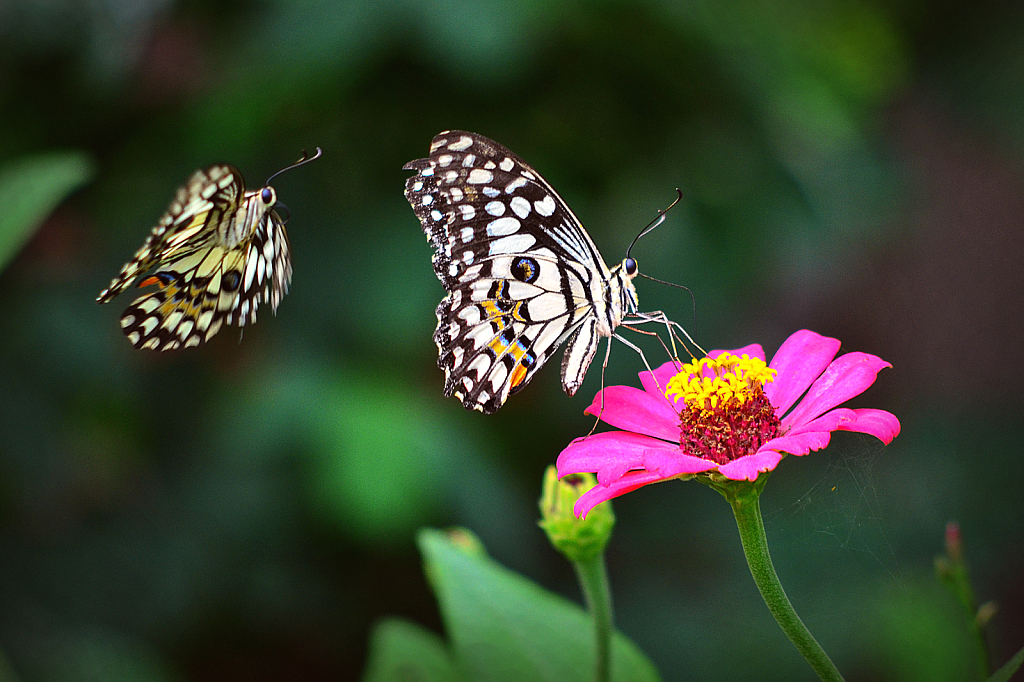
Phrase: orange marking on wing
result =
(498, 346)
(518, 374)
(490, 309)
(150, 280)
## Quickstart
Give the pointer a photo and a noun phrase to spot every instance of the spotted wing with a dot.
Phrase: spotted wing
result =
(202, 281)
(521, 273)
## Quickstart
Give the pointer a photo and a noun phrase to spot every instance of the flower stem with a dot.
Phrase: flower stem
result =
(744, 498)
(593, 577)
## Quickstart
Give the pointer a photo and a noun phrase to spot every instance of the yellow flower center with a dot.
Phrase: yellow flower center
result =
(710, 382)
(727, 414)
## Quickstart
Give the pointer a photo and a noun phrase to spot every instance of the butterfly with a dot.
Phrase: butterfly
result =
(217, 253)
(522, 275)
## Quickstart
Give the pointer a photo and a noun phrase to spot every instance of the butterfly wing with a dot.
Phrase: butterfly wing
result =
(186, 222)
(522, 274)
(208, 268)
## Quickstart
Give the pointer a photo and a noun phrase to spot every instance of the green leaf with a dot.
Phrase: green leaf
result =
(505, 627)
(400, 650)
(1007, 671)
(30, 188)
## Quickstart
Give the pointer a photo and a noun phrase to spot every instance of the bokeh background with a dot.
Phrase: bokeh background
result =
(247, 511)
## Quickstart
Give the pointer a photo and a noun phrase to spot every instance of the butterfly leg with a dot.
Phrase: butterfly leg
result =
(659, 317)
(604, 365)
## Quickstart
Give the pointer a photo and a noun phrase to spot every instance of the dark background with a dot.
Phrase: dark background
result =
(247, 511)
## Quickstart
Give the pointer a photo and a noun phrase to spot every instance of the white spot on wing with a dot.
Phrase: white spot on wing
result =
(467, 211)
(507, 164)
(520, 206)
(467, 235)
(149, 305)
(479, 176)
(515, 184)
(495, 208)
(545, 206)
(502, 227)
(461, 144)
(480, 365)
(516, 243)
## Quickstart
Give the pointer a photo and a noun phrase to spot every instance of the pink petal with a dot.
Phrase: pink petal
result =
(849, 375)
(830, 421)
(800, 360)
(634, 410)
(655, 385)
(747, 468)
(878, 423)
(603, 493)
(605, 450)
(672, 463)
(800, 444)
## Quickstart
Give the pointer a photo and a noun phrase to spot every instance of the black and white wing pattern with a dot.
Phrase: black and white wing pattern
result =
(216, 255)
(522, 274)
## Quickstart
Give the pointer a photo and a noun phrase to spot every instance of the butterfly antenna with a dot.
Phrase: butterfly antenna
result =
(301, 162)
(657, 221)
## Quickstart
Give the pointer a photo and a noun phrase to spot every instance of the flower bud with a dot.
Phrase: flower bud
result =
(580, 540)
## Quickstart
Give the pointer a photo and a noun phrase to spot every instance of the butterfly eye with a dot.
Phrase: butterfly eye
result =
(267, 196)
(629, 266)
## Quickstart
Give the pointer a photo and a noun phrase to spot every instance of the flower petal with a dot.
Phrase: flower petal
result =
(830, 421)
(799, 444)
(608, 449)
(800, 360)
(878, 423)
(671, 463)
(848, 375)
(634, 410)
(747, 468)
(602, 493)
(656, 384)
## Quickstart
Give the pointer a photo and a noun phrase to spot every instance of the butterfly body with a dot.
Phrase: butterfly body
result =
(522, 274)
(217, 253)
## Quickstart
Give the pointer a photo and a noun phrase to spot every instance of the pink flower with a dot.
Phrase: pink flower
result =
(728, 414)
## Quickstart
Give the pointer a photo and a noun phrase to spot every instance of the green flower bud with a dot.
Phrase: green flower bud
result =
(580, 540)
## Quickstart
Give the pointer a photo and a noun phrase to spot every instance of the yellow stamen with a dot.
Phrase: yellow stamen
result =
(712, 382)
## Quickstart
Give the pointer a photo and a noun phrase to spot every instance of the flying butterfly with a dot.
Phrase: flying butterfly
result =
(217, 253)
(521, 272)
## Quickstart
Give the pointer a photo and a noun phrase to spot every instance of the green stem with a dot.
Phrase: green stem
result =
(959, 583)
(593, 579)
(744, 498)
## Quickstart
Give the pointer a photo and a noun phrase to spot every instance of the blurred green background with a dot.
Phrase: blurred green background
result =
(246, 511)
